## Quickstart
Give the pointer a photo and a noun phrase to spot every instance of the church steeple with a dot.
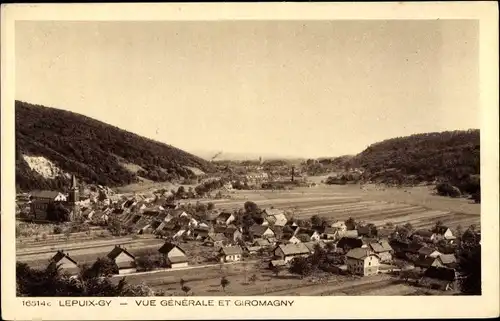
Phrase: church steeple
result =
(74, 193)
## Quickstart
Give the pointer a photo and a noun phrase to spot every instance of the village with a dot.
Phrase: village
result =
(183, 235)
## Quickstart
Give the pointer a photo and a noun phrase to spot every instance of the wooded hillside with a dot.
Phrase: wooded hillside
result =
(93, 150)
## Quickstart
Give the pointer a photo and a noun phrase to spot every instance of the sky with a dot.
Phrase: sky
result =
(287, 88)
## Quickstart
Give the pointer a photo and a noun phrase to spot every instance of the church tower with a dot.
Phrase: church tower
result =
(74, 192)
(74, 199)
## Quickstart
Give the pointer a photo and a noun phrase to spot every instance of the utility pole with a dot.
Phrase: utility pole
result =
(293, 173)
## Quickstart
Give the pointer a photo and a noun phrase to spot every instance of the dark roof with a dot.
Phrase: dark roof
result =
(425, 262)
(224, 215)
(358, 253)
(294, 249)
(309, 232)
(258, 229)
(330, 230)
(59, 256)
(426, 250)
(441, 230)
(117, 251)
(217, 237)
(45, 194)
(219, 229)
(231, 250)
(168, 246)
(423, 233)
(363, 230)
(440, 273)
(350, 242)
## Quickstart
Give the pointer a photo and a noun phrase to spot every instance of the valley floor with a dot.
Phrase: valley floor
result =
(370, 204)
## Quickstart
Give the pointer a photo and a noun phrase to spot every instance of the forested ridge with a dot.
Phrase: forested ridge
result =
(451, 156)
(92, 150)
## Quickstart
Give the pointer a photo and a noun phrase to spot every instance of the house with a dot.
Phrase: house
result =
(155, 210)
(225, 218)
(339, 225)
(444, 233)
(123, 259)
(427, 251)
(273, 212)
(260, 231)
(350, 233)
(330, 233)
(200, 233)
(384, 233)
(363, 230)
(277, 219)
(312, 246)
(216, 239)
(40, 201)
(230, 253)
(87, 213)
(448, 260)
(383, 250)
(276, 263)
(233, 233)
(439, 278)
(203, 225)
(426, 235)
(180, 233)
(173, 255)
(261, 242)
(427, 262)
(65, 263)
(313, 234)
(193, 222)
(288, 252)
(362, 262)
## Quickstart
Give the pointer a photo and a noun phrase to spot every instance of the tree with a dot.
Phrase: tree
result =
(115, 226)
(330, 246)
(409, 227)
(439, 224)
(224, 282)
(250, 207)
(372, 230)
(210, 206)
(304, 238)
(350, 224)
(316, 221)
(182, 282)
(459, 231)
(276, 270)
(57, 212)
(102, 267)
(51, 282)
(300, 266)
(145, 263)
(402, 232)
(253, 278)
(186, 289)
(469, 264)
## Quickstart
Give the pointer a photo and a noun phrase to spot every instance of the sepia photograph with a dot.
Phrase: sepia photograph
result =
(247, 158)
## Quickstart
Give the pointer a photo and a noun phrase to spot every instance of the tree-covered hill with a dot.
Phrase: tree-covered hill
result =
(451, 156)
(92, 150)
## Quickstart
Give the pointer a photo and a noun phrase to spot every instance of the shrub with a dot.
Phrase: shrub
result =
(57, 230)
